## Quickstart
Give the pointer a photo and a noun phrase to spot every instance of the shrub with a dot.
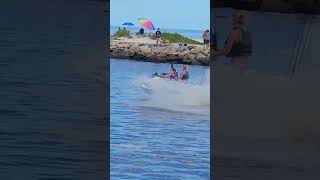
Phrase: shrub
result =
(175, 38)
(122, 33)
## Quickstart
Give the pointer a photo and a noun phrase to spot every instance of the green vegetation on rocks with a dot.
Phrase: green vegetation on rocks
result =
(122, 33)
(176, 38)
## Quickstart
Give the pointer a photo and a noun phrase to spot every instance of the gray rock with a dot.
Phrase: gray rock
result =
(197, 50)
(192, 56)
(196, 62)
(191, 47)
(201, 57)
(156, 49)
(187, 61)
(168, 52)
(173, 55)
(119, 53)
(183, 54)
(161, 55)
(189, 58)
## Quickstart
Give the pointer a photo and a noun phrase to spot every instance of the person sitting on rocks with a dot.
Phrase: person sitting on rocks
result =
(181, 44)
(141, 32)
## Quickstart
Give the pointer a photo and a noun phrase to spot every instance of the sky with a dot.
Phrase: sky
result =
(168, 14)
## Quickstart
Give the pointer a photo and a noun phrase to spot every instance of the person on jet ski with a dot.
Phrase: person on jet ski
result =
(184, 75)
(172, 72)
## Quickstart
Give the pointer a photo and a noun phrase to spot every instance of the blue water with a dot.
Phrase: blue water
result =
(154, 143)
(194, 34)
(287, 107)
(52, 90)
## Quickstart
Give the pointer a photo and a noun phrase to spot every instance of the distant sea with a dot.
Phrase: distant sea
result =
(53, 92)
(193, 34)
(160, 135)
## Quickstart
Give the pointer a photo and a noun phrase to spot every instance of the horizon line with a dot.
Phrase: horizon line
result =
(164, 28)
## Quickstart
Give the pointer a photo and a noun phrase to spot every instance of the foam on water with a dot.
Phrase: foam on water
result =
(155, 130)
(176, 95)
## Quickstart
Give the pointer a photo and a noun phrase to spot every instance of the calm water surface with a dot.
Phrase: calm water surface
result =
(286, 60)
(52, 95)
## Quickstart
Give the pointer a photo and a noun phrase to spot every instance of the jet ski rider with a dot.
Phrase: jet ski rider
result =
(184, 75)
(173, 74)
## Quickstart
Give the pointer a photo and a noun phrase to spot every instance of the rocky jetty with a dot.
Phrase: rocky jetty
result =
(190, 54)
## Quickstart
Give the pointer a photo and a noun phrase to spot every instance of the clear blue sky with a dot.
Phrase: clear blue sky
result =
(173, 14)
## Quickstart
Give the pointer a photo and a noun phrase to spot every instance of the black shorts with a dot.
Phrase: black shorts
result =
(205, 41)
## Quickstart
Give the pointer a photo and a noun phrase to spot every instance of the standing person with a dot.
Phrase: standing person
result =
(238, 45)
(204, 37)
(207, 39)
(158, 36)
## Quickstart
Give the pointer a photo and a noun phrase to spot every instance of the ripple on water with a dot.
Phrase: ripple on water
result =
(150, 142)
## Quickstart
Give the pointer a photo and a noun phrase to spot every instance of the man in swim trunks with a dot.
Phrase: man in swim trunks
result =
(238, 45)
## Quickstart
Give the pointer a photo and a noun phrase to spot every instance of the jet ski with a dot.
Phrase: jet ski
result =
(164, 76)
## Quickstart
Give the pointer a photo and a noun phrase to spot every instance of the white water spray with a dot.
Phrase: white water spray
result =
(176, 95)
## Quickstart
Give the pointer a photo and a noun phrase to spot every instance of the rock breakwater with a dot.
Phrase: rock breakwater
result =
(190, 54)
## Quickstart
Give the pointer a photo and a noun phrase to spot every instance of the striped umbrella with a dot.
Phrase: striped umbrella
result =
(146, 23)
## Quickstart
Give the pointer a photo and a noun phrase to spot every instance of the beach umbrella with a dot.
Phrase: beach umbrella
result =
(146, 23)
(128, 24)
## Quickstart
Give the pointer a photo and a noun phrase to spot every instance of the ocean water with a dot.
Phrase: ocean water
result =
(289, 48)
(52, 95)
(194, 34)
(162, 135)
(268, 121)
